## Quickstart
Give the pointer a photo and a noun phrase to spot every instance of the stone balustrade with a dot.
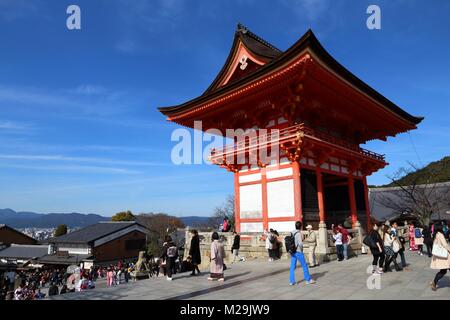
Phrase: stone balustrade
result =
(253, 246)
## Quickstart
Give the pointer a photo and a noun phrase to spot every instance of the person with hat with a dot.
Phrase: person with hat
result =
(311, 240)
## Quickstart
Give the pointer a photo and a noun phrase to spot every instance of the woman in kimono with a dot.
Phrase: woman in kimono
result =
(412, 244)
(217, 256)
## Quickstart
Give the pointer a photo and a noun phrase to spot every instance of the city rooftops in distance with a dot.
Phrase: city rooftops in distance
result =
(94, 232)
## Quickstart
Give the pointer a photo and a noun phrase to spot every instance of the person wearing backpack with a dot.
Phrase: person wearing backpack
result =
(169, 254)
(418, 240)
(294, 246)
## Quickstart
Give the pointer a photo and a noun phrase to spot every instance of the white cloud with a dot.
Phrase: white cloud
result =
(10, 125)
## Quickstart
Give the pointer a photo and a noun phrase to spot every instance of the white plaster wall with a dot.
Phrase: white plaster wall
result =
(251, 227)
(279, 173)
(250, 177)
(280, 198)
(282, 226)
(250, 201)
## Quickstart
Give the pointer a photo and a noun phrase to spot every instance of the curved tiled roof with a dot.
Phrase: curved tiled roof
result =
(279, 58)
(93, 232)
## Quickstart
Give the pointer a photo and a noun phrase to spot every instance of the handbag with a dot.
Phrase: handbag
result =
(439, 251)
(396, 246)
(368, 241)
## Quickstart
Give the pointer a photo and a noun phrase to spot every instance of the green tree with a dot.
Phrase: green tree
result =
(123, 216)
(60, 230)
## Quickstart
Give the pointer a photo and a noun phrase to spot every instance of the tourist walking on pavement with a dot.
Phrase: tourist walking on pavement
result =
(401, 244)
(236, 246)
(376, 247)
(194, 252)
(428, 239)
(169, 254)
(217, 257)
(311, 241)
(388, 242)
(412, 245)
(418, 240)
(337, 236)
(299, 256)
(441, 256)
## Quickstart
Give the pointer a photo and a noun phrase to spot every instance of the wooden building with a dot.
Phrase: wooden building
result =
(102, 242)
(310, 109)
(10, 236)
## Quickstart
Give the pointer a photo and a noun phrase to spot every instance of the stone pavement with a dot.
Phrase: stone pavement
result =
(270, 280)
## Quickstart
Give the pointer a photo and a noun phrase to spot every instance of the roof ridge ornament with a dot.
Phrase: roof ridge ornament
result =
(242, 28)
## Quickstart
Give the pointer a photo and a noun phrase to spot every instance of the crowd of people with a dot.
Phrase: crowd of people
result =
(29, 284)
(43, 282)
(386, 245)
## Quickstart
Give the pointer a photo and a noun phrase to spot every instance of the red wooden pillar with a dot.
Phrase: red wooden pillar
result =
(265, 215)
(237, 210)
(366, 199)
(320, 198)
(351, 193)
(296, 175)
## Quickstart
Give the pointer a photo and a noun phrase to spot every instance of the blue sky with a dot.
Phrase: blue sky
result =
(79, 130)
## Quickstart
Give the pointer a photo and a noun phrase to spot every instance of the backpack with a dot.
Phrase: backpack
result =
(417, 233)
(289, 242)
(172, 251)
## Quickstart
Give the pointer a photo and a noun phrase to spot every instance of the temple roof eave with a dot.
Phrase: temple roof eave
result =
(308, 40)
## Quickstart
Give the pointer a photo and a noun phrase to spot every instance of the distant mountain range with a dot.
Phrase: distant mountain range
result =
(51, 220)
(72, 220)
(195, 221)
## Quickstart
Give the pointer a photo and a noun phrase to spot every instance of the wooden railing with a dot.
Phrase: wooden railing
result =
(252, 141)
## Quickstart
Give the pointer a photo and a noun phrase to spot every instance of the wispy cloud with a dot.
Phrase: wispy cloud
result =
(11, 10)
(73, 169)
(309, 9)
(150, 17)
(10, 125)
(77, 159)
(86, 100)
(88, 89)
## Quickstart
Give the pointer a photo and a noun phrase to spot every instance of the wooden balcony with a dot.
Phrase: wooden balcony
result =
(253, 142)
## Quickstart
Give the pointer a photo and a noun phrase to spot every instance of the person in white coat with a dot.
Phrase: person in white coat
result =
(440, 262)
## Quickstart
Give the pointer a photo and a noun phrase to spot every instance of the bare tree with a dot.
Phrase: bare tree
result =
(419, 199)
(225, 210)
(159, 225)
